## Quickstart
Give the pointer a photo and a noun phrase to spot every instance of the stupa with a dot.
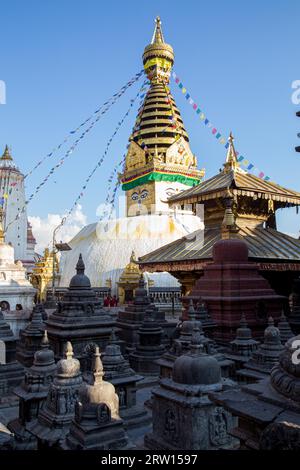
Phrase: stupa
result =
(32, 394)
(149, 348)
(131, 317)
(184, 417)
(97, 424)
(118, 372)
(55, 417)
(16, 292)
(79, 317)
(18, 232)
(30, 337)
(232, 284)
(265, 357)
(11, 372)
(159, 163)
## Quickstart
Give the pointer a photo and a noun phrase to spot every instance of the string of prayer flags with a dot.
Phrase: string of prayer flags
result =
(214, 131)
(100, 161)
(73, 147)
(107, 105)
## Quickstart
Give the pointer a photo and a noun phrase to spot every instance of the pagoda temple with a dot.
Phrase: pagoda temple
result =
(252, 202)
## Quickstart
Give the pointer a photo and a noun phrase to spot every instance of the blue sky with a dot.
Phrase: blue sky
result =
(61, 59)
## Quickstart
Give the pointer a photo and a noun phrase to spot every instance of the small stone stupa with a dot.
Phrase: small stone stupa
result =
(149, 349)
(284, 329)
(184, 417)
(243, 346)
(131, 317)
(30, 337)
(97, 424)
(55, 417)
(32, 394)
(265, 357)
(15, 289)
(118, 372)
(79, 317)
(11, 372)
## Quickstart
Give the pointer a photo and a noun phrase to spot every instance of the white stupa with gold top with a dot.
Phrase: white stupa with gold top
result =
(159, 164)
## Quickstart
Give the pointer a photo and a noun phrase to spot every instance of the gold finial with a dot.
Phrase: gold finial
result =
(231, 158)
(6, 154)
(1, 225)
(157, 37)
(69, 350)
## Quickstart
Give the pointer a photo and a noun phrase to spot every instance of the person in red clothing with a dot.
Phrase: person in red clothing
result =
(113, 301)
(106, 302)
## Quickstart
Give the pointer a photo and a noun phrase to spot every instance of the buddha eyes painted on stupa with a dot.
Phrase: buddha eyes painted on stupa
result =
(139, 195)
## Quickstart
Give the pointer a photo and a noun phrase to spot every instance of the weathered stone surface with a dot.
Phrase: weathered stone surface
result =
(11, 372)
(97, 424)
(55, 417)
(184, 418)
(79, 318)
(32, 394)
(31, 336)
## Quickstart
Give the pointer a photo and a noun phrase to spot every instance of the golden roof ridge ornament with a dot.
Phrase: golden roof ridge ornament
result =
(6, 154)
(231, 162)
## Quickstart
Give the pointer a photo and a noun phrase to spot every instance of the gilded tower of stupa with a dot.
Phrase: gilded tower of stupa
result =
(159, 162)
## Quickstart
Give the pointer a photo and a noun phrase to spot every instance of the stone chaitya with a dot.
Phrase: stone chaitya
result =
(149, 349)
(268, 411)
(284, 329)
(97, 424)
(31, 336)
(119, 373)
(32, 394)
(80, 318)
(130, 318)
(183, 415)
(183, 343)
(203, 315)
(265, 357)
(243, 346)
(11, 372)
(55, 417)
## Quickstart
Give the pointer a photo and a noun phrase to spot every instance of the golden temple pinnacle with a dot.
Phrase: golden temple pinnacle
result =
(6, 154)
(231, 157)
(159, 151)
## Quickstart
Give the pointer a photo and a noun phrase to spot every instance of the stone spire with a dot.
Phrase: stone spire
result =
(243, 344)
(284, 329)
(55, 417)
(97, 424)
(267, 354)
(31, 336)
(32, 394)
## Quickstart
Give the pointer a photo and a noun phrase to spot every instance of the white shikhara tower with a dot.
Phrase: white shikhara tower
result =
(12, 199)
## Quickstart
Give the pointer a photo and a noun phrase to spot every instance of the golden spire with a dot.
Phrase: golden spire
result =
(158, 57)
(229, 228)
(158, 37)
(6, 154)
(1, 225)
(231, 158)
